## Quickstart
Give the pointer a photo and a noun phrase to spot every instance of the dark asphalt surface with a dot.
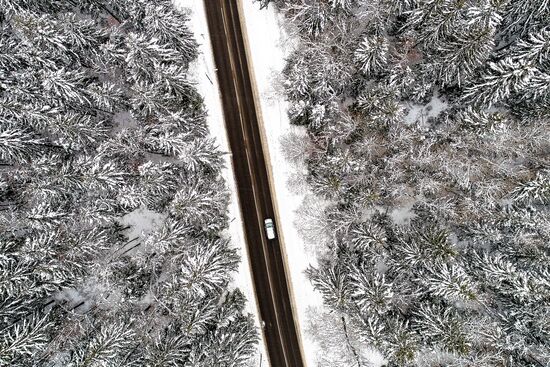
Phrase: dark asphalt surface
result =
(256, 204)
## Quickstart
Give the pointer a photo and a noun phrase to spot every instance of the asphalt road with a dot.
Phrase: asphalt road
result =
(256, 203)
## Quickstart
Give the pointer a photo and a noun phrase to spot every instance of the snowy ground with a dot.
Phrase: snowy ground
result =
(205, 78)
(269, 45)
(420, 113)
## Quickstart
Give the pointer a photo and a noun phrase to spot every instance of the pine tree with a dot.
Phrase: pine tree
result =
(501, 81)
(372, 54)
(105, 346)
(371, 292)
(442, 327)
(380, 106)
(204, 269)
(18, 145)
(436, 20)
(201, 204)
(311, 17)
(534, 48)
(403, 344)
(463, 54)
(452, 283)
(76, 132)
(537, 190)
(164, 22)
(169, 350)
(23, 339)
(333, 284)
(367, 236)
(231, 343)
(66, 88)
(522, 16)
(145, 54)
(342, 4)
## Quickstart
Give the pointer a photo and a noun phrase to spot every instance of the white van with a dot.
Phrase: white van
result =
(269, 228)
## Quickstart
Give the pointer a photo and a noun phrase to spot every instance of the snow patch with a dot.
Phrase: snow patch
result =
(421, 113)
(142, 222)
(124, 120)
(403, 214)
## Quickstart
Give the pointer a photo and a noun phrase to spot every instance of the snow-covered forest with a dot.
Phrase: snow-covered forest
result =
(428, 151)
(100, 130)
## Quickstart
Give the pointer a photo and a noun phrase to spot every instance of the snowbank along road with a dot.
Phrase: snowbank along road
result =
(268, 272)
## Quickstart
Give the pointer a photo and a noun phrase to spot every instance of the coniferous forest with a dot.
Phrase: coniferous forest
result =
(98, 119)
(428, 139)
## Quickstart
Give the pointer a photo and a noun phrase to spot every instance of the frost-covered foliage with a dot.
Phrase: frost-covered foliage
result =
(97, 120)
(436, 240)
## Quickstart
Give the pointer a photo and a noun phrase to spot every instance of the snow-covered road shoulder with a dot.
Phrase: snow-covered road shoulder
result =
(269, 45)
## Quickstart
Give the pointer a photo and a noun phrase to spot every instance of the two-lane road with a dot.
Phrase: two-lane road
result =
(256, 203)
